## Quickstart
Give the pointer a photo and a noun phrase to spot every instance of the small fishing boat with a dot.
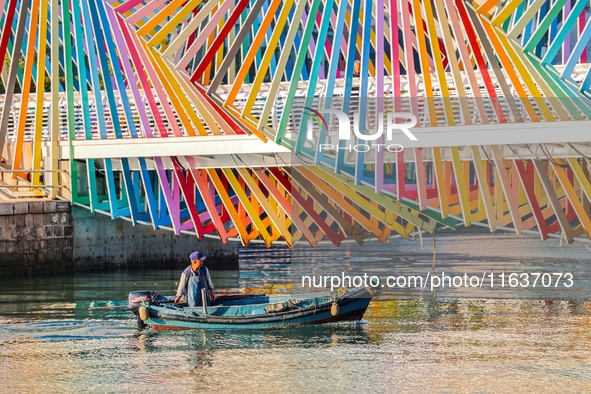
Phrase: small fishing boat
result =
(250, 311)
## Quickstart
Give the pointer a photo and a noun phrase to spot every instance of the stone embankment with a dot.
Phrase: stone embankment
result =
(44, 236)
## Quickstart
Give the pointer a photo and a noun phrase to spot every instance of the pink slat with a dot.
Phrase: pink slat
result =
(128, 5)
(145, 11)
(204, 35)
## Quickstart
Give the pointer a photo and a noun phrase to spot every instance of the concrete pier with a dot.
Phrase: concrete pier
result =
(44, 236)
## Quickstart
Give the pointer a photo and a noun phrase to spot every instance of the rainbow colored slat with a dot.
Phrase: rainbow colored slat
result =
(88, 70)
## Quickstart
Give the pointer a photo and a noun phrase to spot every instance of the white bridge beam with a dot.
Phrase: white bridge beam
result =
(207, 146)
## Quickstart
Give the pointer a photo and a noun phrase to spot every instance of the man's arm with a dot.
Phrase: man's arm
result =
(209, 285)
(208, 278)
(181, 288)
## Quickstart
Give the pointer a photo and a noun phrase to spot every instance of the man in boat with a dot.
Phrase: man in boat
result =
(194, 278)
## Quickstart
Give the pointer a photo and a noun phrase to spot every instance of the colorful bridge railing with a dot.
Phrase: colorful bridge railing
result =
(189, 115)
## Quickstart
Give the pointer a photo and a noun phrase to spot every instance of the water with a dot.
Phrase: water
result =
(52, 339)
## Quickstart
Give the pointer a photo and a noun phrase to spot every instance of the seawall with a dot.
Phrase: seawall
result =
(39, 236)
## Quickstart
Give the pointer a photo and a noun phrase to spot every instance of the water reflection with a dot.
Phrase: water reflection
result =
(411, 344)
(68, 334)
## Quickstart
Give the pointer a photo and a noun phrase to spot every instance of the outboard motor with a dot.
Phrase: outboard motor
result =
(135, 298)
(134, 301)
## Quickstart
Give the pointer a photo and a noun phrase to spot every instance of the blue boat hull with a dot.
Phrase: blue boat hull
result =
(351, 307)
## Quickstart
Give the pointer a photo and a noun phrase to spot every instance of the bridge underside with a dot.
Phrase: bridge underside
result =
(195, 116)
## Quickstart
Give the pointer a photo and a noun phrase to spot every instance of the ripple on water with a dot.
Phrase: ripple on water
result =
(52, 339)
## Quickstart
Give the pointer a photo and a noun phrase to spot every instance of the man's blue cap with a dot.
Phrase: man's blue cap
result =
(197, 256)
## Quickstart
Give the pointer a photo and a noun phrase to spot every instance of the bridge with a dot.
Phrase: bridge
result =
(194, 116)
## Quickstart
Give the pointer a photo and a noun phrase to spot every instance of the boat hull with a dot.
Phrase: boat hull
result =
(350, 308)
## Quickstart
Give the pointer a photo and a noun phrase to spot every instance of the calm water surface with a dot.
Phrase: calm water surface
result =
(451, 340)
